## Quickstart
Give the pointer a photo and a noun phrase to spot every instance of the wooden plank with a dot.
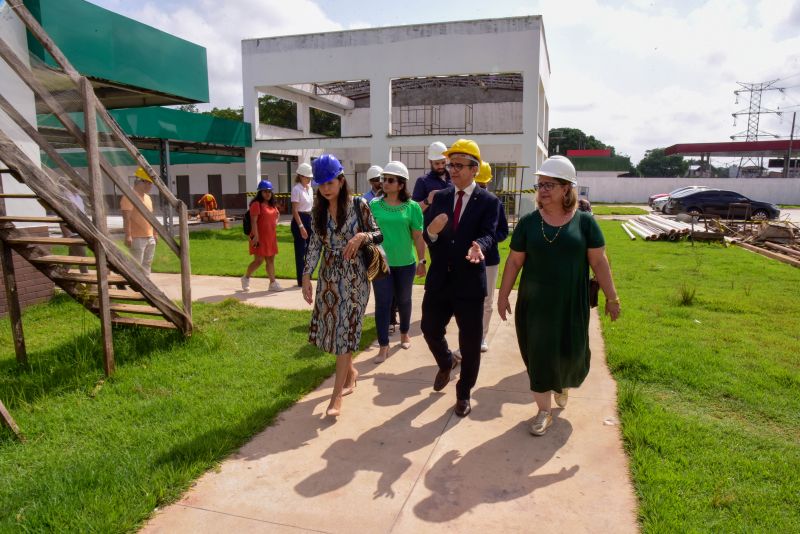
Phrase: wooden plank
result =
(16, 195)
(135, 321)
(774, 255)
(65, 260)
(9, 421)
(783, 250)
(88, 278)
(12, 300)
(34, 240)
(28, 218)
(186, 265)
(120, 294)
(135, 308)
(100, 221)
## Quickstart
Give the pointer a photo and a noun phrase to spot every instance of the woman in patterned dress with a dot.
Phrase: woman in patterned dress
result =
(341, 226)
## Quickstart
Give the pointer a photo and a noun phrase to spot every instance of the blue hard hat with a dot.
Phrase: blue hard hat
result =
(264, 185)
(325, 168)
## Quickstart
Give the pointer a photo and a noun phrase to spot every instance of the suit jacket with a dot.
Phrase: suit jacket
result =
(478, 222)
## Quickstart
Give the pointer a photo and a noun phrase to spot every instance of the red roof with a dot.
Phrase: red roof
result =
(589, 153)
(735, 148)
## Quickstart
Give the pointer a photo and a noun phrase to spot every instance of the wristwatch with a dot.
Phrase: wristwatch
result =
(423, 261)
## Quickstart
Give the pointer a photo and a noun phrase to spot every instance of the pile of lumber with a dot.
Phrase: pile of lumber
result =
(656, 228)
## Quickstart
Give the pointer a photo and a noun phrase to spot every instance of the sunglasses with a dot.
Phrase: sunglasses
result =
(546, 186)
(391, 180)
(458, 166)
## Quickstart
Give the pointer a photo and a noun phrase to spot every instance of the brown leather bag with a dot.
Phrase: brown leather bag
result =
(372, 254)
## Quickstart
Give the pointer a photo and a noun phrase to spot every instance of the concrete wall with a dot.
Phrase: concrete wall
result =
(637, 190)
(379, 55)
(17, 93)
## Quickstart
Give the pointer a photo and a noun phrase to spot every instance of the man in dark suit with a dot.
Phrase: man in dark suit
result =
(459, 230)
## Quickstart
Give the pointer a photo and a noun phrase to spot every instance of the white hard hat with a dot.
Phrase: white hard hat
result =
(304, 169)
(436, 151)
(558, 167)
(374, 172)
(396, 168)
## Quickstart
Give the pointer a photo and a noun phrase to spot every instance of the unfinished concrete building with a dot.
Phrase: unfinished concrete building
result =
(397, 89)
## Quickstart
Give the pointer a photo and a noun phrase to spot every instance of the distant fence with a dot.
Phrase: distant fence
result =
(637, 190)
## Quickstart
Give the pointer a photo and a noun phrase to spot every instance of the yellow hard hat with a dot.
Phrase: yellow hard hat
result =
(142, 175)
(465, 146)
(484, 173)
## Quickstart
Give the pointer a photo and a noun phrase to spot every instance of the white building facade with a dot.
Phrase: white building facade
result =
(491, 76)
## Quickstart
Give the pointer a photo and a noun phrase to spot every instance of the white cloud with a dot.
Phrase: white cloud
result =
(220, 28)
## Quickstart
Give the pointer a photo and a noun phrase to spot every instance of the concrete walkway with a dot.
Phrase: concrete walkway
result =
(398, 460)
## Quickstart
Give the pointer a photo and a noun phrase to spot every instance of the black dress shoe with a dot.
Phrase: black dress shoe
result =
(441, 380)
(463, 408)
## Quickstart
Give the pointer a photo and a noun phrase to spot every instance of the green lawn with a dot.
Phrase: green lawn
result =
(709, 386)
(610, 209)
(102, 454)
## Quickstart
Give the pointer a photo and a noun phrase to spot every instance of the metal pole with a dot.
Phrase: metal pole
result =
(789, 152)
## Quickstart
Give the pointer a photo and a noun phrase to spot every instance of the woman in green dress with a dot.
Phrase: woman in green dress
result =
(555, 246)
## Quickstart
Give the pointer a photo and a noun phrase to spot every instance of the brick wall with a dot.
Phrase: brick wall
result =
(32, 286)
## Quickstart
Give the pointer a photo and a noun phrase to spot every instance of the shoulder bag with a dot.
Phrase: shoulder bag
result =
(372, 254)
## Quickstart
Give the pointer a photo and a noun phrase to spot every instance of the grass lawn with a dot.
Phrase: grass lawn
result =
(610, 209)
(707, 358)
(102, 454)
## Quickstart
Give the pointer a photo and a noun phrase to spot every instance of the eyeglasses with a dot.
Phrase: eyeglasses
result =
(458, 166)
(547, 186)
(390, 180)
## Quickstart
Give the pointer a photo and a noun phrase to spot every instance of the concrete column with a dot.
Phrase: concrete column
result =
(304, 118)
(380, 119)
(252, 159)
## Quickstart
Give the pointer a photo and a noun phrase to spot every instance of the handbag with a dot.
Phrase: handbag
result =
(373, 255)
(594, 290)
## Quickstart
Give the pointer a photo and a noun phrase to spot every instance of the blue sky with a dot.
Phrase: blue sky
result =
(637, 74)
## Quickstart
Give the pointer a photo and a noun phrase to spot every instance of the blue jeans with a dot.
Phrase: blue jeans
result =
(398, 285)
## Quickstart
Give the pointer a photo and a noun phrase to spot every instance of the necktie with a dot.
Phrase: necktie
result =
(457, 211)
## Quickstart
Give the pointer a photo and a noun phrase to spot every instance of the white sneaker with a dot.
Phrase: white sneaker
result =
(484, 346)
(245, 283)
(275, 286)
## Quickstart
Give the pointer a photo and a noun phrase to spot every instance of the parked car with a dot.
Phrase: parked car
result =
(721, 203)
(662, 198)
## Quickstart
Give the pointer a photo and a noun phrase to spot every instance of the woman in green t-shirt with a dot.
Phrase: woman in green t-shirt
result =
(400, 221)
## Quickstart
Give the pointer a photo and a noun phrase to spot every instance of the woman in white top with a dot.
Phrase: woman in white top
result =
(302, 202)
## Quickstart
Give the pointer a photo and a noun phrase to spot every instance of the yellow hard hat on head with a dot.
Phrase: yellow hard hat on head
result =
(484, 173)
(142, 175)
(465, 146)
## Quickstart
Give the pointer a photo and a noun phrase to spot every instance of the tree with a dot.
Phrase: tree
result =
(563, 139)
(234, 114)
(324, 123)
(656, 163)
(277, 112)
(191, 108)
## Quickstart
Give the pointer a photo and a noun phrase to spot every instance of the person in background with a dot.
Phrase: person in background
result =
(459, 230)
(400, 221)
(584, 205)
(438, 177)
(493, 254)
(264, 216)
(208, 202)
(71, 193)
(139, 235)
(302, 201)
(555, 246)
(374, 179)
(342, 225)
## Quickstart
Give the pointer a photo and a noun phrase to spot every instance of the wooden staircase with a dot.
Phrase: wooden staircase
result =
(115, 287)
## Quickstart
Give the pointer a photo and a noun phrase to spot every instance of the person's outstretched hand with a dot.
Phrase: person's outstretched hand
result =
(475, 254)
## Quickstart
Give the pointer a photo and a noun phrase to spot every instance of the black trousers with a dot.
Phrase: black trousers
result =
(300, 244)
(438, 307)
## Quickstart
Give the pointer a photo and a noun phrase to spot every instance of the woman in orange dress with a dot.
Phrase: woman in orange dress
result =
(263, 236)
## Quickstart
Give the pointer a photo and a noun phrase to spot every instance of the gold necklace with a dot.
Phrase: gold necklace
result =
(550, 241)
